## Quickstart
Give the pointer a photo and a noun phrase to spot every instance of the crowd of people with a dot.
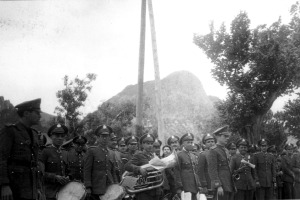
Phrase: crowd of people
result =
(31, 170)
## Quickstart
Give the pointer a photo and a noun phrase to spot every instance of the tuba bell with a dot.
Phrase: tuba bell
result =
(154, 179)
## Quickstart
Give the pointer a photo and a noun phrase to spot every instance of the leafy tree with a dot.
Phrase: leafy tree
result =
(72, 98)
(257, 65)
(290, 116)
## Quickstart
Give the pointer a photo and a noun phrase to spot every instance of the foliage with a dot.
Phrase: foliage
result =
(290, 116)
(257, 65)
(72, 97)
(118, 116)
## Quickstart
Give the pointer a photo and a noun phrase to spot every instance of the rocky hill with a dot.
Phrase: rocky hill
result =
(185, 104)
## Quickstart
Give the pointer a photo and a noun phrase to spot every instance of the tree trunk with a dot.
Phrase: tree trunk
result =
(256, 128)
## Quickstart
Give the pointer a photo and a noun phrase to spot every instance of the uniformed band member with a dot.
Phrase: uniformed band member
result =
(243, 174)
(266, 171)
(173, 141)
(187, 170)
(288, 176)
(75, 159)
(209, 141)
(156, 147)
(296, 170)
(99, 169)
(141, 158)
(132, 147)
(218, 166)
(55, 161)
(19, 154)
(118, 163)
(122, 145)
(232, 149)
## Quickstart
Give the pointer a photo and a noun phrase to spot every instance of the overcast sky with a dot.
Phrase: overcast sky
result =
(42, 41)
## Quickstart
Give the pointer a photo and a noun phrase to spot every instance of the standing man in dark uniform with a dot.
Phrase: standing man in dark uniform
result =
(173, 141)
(99, 169)
(122, 145)
(75, 159)
(19, 154)
(142, 158)
(116, 157)
(132, 148)
(296, 170)
(187, 168)
(55, 161)
(232, 149)
(209, 141)
(265, 167)
(218, 166)
(245, 174)
(288, 176)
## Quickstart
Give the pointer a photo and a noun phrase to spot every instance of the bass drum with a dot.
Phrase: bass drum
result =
(72, 191)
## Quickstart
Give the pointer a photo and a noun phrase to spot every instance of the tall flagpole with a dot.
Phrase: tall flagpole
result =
(139, 103)
(159, 113)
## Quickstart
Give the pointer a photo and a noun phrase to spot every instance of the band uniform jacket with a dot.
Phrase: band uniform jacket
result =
(99, 169)
(187, 172)
(247, 174)
(287, 169)
(218, 168)
(265, 167)
(55, 162)
(296, 166)
(203, 170)
(18, 160)
(119, 165)
(141, 158)
(75, 161)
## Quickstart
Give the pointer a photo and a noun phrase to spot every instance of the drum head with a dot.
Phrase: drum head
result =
(72, 191)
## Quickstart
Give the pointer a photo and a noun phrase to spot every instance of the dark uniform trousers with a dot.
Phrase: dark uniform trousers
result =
(296, 170)
(55, 161)
(187, 173)
(141, 158)
(266, 172)
(219, 172)
(75, 162)
(287, 177)
(246, 183)
(18, 161)
(99, 170)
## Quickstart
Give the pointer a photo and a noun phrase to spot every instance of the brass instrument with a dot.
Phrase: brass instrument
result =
(154, 179)
(236, 175)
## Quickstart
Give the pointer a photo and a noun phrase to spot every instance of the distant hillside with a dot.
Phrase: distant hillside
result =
(186, 107)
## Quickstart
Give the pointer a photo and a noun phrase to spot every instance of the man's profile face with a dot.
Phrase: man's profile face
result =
(33, 117)
(223, 139)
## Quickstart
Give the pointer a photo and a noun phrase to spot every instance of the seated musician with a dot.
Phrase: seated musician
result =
(141, 158)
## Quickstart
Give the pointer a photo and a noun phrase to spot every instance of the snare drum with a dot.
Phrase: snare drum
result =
(72, 191)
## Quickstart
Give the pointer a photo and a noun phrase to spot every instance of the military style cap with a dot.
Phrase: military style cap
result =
(147, 138)
(222, 131)
(230, 145)
(173, 138)
(242, 142)
(58, 129)
(103, 130)
(263, 142)
(80, 140)
(131, 140)
(157, 142)
(288, 146)
(121, 141)
(29, 105)
(207, 137)
(186, 137)
(113, 137)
